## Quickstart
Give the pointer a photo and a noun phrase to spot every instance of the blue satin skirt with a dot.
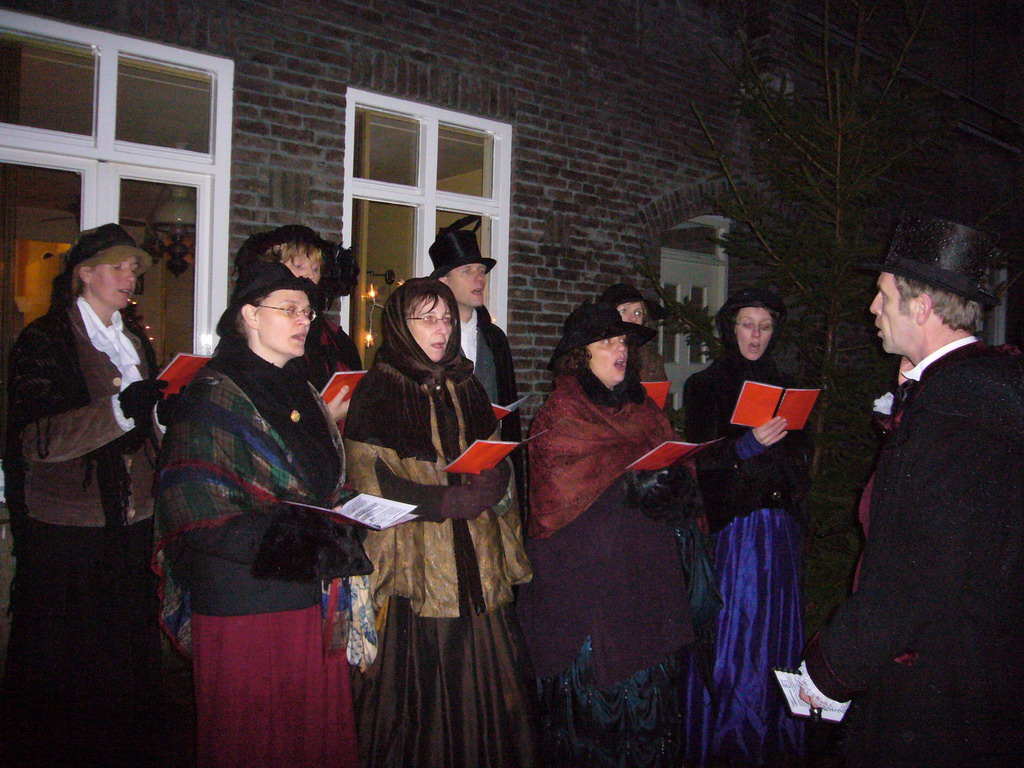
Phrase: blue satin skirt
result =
(758, 569)
(634, 723)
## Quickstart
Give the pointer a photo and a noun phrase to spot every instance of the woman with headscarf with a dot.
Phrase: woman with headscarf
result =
(450, 686)
(251, 585)
(80, 456)
(753, 485)
(328, 348)
(607, 611)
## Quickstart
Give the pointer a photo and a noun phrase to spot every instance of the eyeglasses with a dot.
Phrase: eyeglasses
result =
(431, 320)
(293, 312)
(763, 327)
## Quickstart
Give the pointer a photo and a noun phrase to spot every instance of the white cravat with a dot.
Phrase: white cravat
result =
(112, 341)
(469, 337)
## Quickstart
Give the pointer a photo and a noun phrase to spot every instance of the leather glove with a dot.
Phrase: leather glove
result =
(477, 493)
(668, 495)
(167, 408)
(138, 399)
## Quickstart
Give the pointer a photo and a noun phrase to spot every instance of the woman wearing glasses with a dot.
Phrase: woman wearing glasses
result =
(245, 577)
(753, 485)
(328, 348)
(449, 686)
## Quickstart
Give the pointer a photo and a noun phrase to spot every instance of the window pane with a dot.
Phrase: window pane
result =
(162, 219)
(163, 106)
(383, 236)
(387, 147)
(697, 238)
(39, 219)
(464, 161)
(34, 72)
(668, 339)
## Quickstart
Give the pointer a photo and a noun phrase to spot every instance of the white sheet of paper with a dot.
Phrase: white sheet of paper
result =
(790, 684)
(372, 511)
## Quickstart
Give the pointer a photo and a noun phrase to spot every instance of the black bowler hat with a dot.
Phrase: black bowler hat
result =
(618, 294)
(259, 279)
(592, 322)
(456, 247)
(942, 253)
(106, 244)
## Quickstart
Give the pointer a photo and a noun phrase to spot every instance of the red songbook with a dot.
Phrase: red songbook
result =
(180, 370)
(759, 402)
(339, 380)
(501, 411)
(481, 455)
(657, 391)
(669, 453)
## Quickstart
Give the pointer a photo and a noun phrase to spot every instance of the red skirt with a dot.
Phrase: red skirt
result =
(267, 696)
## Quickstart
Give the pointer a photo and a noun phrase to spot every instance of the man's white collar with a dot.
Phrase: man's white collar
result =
(915, 372)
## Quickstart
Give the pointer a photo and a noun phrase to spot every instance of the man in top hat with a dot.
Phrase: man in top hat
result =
(459, 264)
(928, 646)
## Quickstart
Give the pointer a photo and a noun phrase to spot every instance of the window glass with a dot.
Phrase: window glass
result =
(698, 297)
(33, 71)
(383, 237)
(162, 218)
(668, 339)
(387, 147)
(163, 106)
(464, 161)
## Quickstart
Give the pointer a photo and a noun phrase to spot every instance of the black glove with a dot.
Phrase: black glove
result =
(167, 408)
(477, 493)
(668, 495)
(138, 399)
(304, 546)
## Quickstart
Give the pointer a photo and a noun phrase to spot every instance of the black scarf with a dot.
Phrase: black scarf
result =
(279, 394)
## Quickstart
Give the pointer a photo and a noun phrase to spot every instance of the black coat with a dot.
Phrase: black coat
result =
(929, 647)
(775, 479)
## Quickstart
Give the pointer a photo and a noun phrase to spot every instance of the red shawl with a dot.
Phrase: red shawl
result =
(587, 447)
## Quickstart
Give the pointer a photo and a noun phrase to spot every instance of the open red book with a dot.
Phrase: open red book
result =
(339, 380)
(759, 402)
(180, 370)
(669, 453)
(501, 411)
(657, 391)
(481, 455)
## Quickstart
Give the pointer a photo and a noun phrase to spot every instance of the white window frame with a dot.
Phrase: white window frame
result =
(209, 172)
(426, 198)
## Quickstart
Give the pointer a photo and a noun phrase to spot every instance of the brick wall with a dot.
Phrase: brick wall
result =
(598, 94)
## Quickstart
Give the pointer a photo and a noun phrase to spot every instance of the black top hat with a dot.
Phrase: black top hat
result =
(109, 238)
(592, 322)
(623, 293)
(259, 279)
(456, 247)
(942, 253)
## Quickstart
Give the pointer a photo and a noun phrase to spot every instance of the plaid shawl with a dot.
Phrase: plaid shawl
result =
(220, 458)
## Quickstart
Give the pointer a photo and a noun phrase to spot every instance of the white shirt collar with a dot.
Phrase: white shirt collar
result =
(468, 331)
(915, 372)
(112, 341)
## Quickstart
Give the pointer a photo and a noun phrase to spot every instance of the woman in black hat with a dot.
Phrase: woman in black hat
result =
(607, 610)
(251, 586)
(449, 687)
(80, 455)
(753, 484)
(633, 307)
(328, 348)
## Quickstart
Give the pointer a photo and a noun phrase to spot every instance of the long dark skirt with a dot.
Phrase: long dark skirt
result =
(447, 693)
(83, 664)
(267, 695)
(635, 723)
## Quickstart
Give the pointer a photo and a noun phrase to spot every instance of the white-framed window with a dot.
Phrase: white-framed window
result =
(411, 169)
(97, 127)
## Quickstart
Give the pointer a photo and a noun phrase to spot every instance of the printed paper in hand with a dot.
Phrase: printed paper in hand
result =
(339, 380)
(371, 511)
(790, 684)
(180, 370)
